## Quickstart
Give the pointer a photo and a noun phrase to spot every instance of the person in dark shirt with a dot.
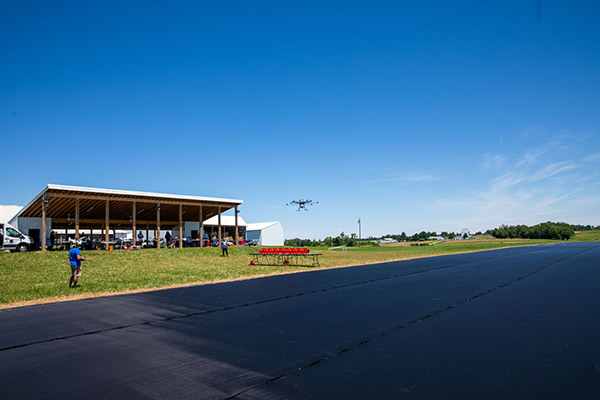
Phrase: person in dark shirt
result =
(224, 247)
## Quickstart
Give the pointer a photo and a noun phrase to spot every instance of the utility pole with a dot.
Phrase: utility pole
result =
(359, 236)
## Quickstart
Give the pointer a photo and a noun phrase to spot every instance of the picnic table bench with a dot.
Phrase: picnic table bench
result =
(285, 256)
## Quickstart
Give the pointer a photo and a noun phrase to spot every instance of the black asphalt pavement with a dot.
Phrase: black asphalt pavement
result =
(517, 323)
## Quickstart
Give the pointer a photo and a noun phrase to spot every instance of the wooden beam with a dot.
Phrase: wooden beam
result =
(106, 225)
(220, 237)
(133, 227)
(142, 200)
(114, 221)
(158, 226)
(180, 226)
(237, 235)
(200, 227)
(77, 219)
(43, 235)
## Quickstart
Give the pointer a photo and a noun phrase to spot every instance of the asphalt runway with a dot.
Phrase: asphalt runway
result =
(517, 323)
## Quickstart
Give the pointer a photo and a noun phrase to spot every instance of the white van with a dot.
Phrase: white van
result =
(13, 240)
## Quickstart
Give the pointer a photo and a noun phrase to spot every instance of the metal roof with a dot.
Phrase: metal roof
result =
(61, 204)
(257, 226)
(8, 212)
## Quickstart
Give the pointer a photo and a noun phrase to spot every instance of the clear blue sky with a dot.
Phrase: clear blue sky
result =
(429, 115)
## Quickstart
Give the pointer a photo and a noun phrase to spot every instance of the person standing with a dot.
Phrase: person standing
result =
(168, 239)
(140, 238)
(224, 247)
(52, 240)
(75, 259)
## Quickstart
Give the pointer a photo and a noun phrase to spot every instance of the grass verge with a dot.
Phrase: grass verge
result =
(32, 278)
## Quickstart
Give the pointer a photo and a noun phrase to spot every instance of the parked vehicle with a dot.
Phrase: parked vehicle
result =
(13, 240)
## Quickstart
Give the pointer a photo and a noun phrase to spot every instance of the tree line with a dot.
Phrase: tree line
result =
(545, 230)
(341, 240)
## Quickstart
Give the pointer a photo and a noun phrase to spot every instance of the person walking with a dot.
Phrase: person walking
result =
(168, 239)
(75, 259)
(224, 247)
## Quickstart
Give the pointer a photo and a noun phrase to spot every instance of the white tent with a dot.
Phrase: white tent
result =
(8, 212)
(266, 233)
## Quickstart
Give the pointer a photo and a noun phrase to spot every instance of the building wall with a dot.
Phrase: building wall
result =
(273, 235)
(24, 224)
(269, 236)
(190, 226)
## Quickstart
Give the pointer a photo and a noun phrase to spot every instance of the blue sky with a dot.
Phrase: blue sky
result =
(412, 116)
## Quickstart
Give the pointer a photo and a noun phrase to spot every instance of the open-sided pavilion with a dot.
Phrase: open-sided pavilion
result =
(73, 207)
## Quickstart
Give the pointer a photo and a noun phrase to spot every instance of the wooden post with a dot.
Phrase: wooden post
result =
(200, 227)
(133, 215)
(237, 235)
(77, 219)
(106, 225)
(158, 226)
(43, 235)
(180, 226)
(147, 234)
(220, 238)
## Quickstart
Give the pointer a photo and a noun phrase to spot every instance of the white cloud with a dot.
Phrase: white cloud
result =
(408, 179)
(493, 160)
(592, 157)
(534, 187)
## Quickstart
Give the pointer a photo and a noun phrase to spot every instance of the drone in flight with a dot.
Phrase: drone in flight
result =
(302, 204)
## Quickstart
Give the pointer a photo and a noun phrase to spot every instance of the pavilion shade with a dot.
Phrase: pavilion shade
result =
(60, 207)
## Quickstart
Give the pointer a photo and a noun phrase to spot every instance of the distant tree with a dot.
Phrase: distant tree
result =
(545, 230)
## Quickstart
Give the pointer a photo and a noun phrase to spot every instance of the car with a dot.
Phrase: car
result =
(13, 240)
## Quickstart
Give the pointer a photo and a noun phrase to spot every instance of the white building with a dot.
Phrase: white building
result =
(8, 212)
(211, 226)
(266, 233)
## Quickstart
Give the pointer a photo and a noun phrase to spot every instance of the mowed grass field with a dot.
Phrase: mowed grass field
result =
(37, 277)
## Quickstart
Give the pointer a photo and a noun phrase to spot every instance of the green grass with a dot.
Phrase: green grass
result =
(43, 277)
(587, 236)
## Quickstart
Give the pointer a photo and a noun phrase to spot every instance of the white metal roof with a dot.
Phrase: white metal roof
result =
(143, 194)
(99, 191)
(8, 212)
(258, 226)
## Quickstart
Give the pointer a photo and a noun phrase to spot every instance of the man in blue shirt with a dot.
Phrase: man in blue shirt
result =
(75, 259)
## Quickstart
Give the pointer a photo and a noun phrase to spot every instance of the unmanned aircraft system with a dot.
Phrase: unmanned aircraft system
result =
(302, 204)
